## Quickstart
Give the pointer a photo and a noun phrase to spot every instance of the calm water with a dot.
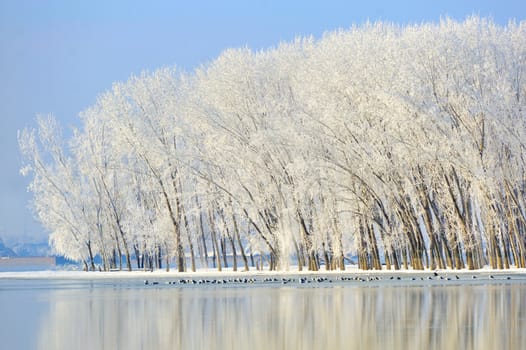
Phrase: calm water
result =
(128, 315)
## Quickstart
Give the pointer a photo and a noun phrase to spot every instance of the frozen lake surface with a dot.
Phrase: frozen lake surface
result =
(273, 312)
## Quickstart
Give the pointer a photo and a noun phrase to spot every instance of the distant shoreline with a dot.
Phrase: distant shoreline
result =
(19, 261)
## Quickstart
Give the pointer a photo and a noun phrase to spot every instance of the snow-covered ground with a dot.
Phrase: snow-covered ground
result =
(351, 271)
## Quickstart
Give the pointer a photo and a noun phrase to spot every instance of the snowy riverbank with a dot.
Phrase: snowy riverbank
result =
(350, 272)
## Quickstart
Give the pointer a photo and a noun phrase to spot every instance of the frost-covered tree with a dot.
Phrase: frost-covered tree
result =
(393, 145)
(62, 200)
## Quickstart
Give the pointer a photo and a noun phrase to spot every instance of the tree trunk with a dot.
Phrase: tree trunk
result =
(91, 258)
(238, 239)
(217, 257)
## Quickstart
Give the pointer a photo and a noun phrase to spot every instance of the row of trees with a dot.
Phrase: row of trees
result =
(403, 146)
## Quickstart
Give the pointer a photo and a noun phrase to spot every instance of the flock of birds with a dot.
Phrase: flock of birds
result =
(435, 276)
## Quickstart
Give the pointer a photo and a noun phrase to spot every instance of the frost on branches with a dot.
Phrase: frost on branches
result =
(402, 146)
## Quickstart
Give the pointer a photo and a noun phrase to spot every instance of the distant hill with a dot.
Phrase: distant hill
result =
(5, 251)
(31, 249)
(32, 257)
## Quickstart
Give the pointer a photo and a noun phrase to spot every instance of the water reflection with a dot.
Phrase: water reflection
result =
(453, 317)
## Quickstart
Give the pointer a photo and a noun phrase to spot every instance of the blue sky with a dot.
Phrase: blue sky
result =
(57, 56)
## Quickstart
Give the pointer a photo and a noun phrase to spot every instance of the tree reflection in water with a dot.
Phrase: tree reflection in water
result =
(387, 317)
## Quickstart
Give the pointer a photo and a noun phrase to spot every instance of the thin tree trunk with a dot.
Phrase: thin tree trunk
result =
(91, 258)
(238, 238)
(202, 231)
(217, 257)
